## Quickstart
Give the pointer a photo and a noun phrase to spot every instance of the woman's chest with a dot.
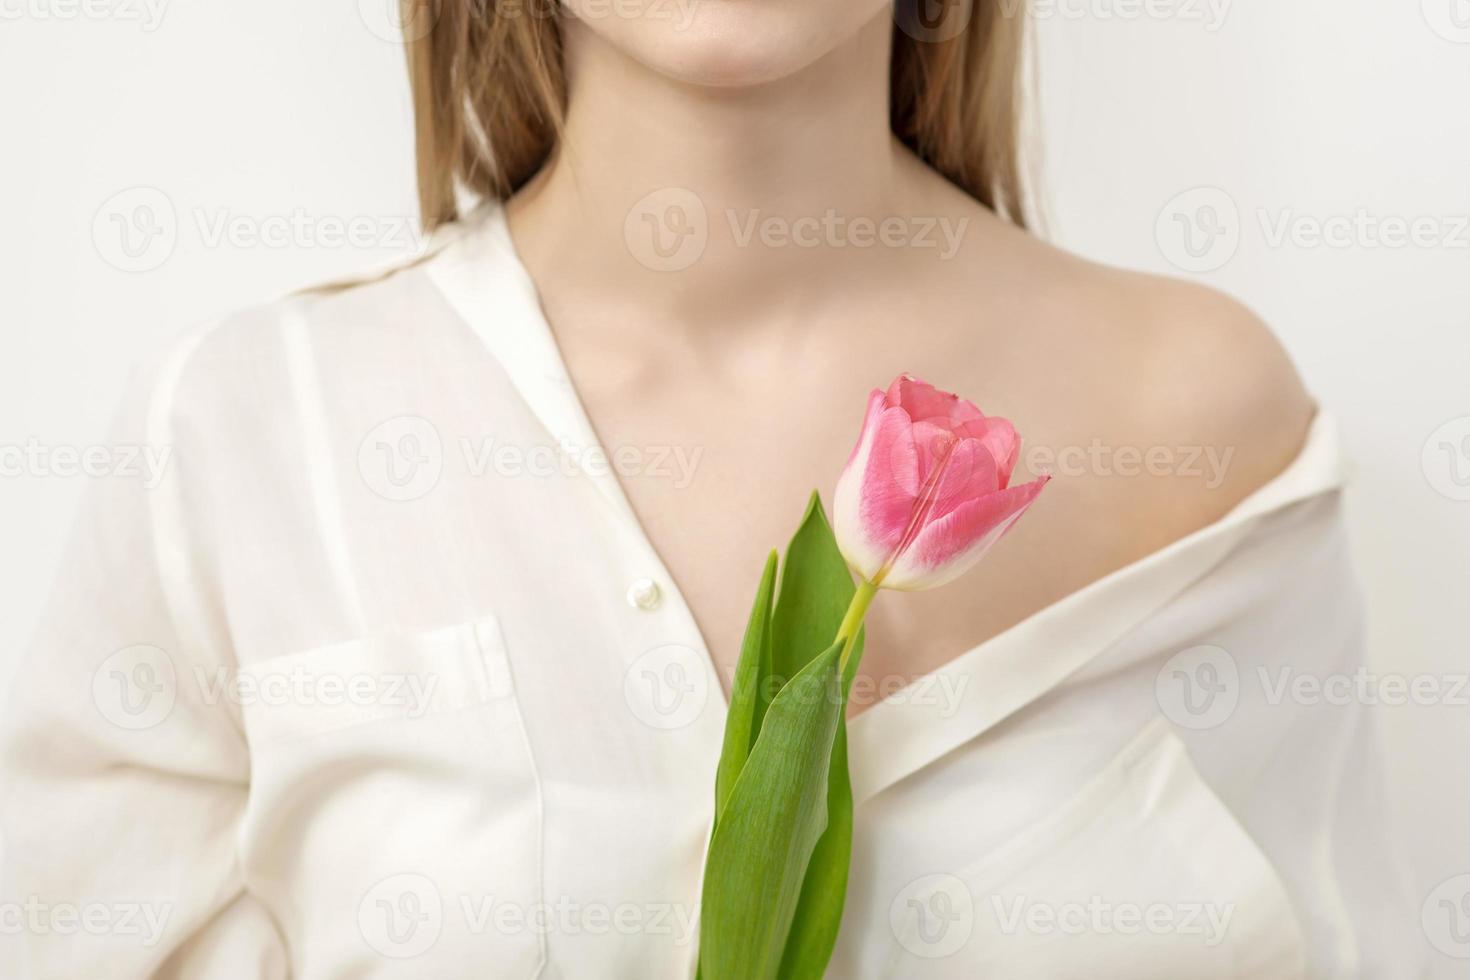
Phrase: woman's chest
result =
(483, 726)
(741, 491)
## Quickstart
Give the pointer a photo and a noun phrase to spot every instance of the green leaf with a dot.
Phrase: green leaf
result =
(819, 911)
(742, 723)
(772, 821)
(816, 589)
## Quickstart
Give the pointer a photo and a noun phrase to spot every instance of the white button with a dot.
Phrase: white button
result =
(644, 594)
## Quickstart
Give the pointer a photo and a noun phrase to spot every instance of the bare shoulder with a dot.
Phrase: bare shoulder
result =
(1160, 402)
(1200, 369)
(1159, 360)
(1157, 405)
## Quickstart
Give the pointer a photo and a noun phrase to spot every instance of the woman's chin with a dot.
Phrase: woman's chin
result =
(716, 62)
(726, 44)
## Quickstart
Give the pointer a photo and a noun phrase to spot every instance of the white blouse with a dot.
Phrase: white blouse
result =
(384, 679)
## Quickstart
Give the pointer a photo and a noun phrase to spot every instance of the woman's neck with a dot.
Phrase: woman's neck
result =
(672, 194)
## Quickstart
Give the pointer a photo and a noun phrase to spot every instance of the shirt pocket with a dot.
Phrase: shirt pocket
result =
(394, 820)
(1143, 874)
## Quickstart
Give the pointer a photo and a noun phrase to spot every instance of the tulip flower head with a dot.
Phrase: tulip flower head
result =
(926, 491)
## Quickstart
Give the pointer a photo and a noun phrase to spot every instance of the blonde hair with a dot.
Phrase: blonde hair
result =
(489, 92)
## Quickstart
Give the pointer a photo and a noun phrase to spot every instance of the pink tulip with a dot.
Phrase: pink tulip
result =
(926, 491)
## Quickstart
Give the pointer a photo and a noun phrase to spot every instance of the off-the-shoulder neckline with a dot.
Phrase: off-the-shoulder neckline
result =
(475, 265)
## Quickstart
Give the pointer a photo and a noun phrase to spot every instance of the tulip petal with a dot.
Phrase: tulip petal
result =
(920, 399)
(891, 478)
(932, 442)
(951, 545)
(1000, 437)
(870, 419)
(969, 473)
(963, 412)
(875, 495)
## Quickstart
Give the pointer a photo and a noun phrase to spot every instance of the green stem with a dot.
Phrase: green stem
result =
(852, 622)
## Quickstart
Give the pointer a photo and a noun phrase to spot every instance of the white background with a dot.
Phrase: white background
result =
(1295, 114)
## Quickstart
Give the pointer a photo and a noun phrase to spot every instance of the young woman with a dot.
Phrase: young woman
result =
(414, 664)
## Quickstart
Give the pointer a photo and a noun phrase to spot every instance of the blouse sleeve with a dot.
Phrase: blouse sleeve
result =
(123, 777)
